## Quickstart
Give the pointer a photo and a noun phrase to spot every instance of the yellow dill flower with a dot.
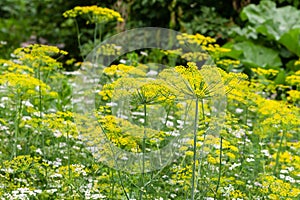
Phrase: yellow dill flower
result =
(195, 56)
(94, 14)
(294, 95)
(278, 188)
(13, 67)
(38, 50)
(294, 79)
(195, 39)
(196, 84)
(172, 52)
(23, 85)
(212, 160)
(143, 91)
(230, 155)
(265, 72)
(237, 87)
(228, 62)
(128, 136)
(121, 70)
(189, 153)
(60, 123)
(297, 62)
(237, 194)
(274, 197)
(39, 57)
(277, 112)
(215, 48)
(77, 170)
(109, 50)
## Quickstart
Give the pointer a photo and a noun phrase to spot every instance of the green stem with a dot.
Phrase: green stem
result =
(202, 147)
(113, 185)
(278, 154)
(202, 107)
(69, 155)
(118, 171)
(40, 119)
(244, 139)
(220, 169)
(95, 33)
(78, 38)
(144, 151)
(168, 112)
(17, 122)
(41, 110)
(194, 150)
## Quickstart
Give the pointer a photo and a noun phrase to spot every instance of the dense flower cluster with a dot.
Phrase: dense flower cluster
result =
(94, 14)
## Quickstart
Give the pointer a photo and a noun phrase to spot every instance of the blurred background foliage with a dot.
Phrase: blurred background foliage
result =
(252, 28)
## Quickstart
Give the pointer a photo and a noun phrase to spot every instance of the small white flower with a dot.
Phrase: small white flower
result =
(4, 99)
(39, 151)
(290, 179)
(123, 61)
(250, 160)
(257, 184)
(57, 133)
(234, 166)
(281, 176)
(265, 152)
(62, 144)
(27, 103)
(111, 104)
(144, 53)
(38, 191)
(56, 175)
(283, 171)
(239, 110)
(290, 168)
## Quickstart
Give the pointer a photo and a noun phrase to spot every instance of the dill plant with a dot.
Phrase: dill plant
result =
(42, 155)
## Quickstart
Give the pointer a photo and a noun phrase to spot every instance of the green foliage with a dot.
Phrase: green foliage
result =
(209, 23)
(254, 55)
(291, 40)
(270, 21)
(270, 38)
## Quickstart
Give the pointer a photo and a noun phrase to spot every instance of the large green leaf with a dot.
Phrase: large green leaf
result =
(258, 56)
(233, 53)
(271, 21)
(258, 14)
(291, 40)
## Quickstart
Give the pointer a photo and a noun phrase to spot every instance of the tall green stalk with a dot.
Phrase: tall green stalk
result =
(278, 153)
(41, 110)
(144, 151)
(17, 123)
(69, 155)
(196, 118)
(202, 147)
(118, 171)
(220, 168)
(78, 38)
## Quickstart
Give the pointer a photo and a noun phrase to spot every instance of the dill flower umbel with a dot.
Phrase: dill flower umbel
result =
(94, 14)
